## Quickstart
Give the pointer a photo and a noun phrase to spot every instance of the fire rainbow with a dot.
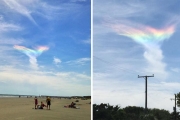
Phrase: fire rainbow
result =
(39, 50)
(144, 34)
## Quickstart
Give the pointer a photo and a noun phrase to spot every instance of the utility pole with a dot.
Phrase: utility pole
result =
(175, 106)
(145, 90)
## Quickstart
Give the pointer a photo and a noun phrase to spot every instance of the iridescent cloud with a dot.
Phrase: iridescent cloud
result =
(144, 34)
(32, 54)
(150, 38)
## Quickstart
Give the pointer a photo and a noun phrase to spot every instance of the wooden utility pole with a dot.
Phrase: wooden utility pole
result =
(174, 107)
(145, 89)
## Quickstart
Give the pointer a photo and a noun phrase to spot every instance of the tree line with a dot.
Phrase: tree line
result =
(109, 112)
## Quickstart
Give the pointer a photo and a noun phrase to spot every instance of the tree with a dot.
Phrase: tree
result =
(147, 117)
(172, 116)
(178, 99)
(133, 112)
(108, 112)
(160, 114)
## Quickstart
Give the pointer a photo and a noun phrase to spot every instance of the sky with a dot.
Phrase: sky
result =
(45, 47)
(132, 38)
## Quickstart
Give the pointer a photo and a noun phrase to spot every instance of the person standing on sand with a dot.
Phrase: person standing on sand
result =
(48, 101)
(36, 102)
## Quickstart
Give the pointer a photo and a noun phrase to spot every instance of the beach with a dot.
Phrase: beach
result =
(15, 108)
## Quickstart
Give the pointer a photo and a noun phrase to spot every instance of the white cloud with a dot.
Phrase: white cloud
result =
(33, 62)
(10, 41)
(40, 8)
(29, 7)
(57, 60)
(177, 70)
(154, 57)
(81, 61)
(1, 17)
(69, 82)
(78, 0)
(77, 76)
(6, 27)
(15, 5)
(87, 41)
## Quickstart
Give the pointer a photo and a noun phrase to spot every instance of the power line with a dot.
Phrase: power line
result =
(122, 68)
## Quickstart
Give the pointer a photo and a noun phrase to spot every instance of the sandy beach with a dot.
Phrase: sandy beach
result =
(22, 109)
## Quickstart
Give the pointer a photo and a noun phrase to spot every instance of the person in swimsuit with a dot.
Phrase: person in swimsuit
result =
(48, 101)
(72, 105)
(36, 102)
(41, 106)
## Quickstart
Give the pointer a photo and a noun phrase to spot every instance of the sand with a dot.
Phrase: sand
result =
(21, 109)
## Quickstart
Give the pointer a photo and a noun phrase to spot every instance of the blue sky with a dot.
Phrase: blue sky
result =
(132, 38)
(45, 47)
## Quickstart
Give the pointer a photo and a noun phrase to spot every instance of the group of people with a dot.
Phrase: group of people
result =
(42, 105)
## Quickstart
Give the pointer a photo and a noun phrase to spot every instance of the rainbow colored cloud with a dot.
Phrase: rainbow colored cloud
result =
(32, 54)
(150, 38)
(144, 34)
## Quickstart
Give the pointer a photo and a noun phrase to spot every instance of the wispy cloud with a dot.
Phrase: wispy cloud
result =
(6, 27)
(177, 70)
(56, 61)
(88, 41)
(10, 41)
(32, 54)
(81, 61)
(30, 7)
(1, 17)
(15, 5)
(78, 0)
